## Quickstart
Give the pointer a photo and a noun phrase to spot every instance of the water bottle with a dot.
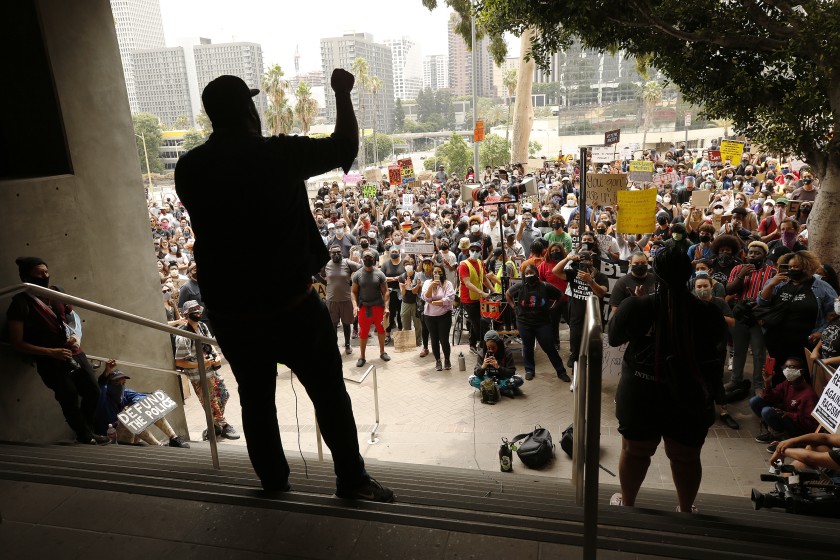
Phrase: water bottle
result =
(112, 434)
(462, 362)
(505, 456)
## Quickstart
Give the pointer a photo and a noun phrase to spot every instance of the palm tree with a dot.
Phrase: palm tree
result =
(278, 116)
(509, 81)
(651, 96)
(306, 107)
(361, 70)
(374, 84)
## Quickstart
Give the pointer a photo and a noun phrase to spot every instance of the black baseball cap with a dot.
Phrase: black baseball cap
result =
(227, 96)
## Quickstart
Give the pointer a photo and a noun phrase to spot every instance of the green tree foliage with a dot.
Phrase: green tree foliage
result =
(203, 122)
(278, 115)
(455, 155)
(182, 122)
(534, 148)
(436, 109)
(147, 126)
(383, 147)
(399, 115)
(193, 138)
(306, 108)
(494, 150)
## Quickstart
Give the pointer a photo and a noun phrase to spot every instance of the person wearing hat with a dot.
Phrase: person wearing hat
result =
(186, 353)
(474, 278)
(768, 229)
(496, 362)
(114, 397)
(38, 327)
(744, 285)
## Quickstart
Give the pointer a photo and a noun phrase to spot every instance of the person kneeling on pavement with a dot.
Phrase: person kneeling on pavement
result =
(786, 408)
(496, 362)
(186, 359)
(114, 396)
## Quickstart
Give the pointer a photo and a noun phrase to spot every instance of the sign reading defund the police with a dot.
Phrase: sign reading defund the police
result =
(140, 416)
(827, 411)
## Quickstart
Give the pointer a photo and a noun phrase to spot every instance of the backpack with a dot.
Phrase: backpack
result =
(489, 391)
(536, 448)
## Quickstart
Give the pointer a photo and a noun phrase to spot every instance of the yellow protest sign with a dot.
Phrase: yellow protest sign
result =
(731, 150)
(636, 211)
(641, 171)
(601, 188)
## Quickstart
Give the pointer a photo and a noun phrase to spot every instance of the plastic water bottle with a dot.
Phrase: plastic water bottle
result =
(462, 362)
(505, 456)
(112, 434)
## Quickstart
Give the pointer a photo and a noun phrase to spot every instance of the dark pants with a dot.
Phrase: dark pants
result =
(745, 338)
(439, 327)
(474, 319)
(424, 330)
(772, 418)
(77, 393)
(542, 335)
(315, 360)
(576, 319)
(394, 305)
(558, 312)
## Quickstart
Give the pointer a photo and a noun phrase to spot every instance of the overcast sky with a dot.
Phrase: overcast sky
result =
(281, 25)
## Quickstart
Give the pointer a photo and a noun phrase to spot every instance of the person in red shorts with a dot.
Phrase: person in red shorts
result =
(370, 301)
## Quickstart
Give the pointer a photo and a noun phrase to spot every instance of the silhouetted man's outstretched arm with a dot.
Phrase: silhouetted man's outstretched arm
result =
(346, 125)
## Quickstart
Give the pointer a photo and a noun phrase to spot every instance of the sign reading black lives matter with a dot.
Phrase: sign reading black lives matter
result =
(140, 416)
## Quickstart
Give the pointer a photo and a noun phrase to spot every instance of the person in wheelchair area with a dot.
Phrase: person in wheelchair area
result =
(496, 362)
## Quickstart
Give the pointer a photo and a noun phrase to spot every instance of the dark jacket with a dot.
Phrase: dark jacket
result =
(507, 367)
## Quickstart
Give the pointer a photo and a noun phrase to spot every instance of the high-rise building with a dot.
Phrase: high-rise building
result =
(407, 61)
(436, 72)
(169, 81)
(510, 63)
(340, 52)
(139, 26)
(460, 63)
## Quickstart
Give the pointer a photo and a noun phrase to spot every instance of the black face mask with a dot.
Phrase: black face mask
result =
(364, 244)
(601, 231)
(336, 257)
(795, 275)
(195, 317)
(556, 256)
(444, 247)
(758, 263)
(639, 269)
(531, 280)
(724, 258)
(43, 282)
(662, 222)
(705, 238)
(557, 225)
(395, 256)
(368, 262)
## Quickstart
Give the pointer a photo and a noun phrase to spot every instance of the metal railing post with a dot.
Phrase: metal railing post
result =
(592, 445)
(208, 414)
(373, 439)
(319, 441)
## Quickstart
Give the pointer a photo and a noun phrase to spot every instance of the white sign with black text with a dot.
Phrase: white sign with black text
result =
(827, 411)
(140, 416)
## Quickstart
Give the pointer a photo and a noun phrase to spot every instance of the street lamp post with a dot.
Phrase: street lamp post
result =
(146, 154)
(474, 93)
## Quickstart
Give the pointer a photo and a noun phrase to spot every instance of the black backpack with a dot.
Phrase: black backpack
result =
(536, 448)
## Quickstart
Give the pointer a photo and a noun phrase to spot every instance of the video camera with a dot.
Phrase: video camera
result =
(798, 493)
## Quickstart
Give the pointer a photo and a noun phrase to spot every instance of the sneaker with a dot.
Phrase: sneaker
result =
(571, 362)
(371, 491)
(474, 350)
(507, 392)
(229, 432)
(617, 499)
(693, 509)
(99, 440)
(529, 375)
(424, 352)
(729, 421)
(771, 448)
(385, 357)
(178, 442)
(438, 365)
(766, 437)
(563, 376)
(355, 334)
(388, 340)
(447, 364)
(347, 349)
(360, 362)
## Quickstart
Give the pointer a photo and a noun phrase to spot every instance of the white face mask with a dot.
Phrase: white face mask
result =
(339, 231)
(474, 255)
(703, 293)
(724, 199)
(685, 212)
(792, 374)
(666, 199)
(718, 211)
(493, 218)
(736, 182)
(409, 269)
(474, 228)
(837, 307)
(511, 212)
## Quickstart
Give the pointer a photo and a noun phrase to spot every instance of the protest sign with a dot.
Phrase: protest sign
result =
(406, 170)
(152, 408)
(535, 164)
(351, 178)
(662, 179)
(637, 211)
(827, 411)
(613, 270)
(394, 174)
(714, 158)
(611, 358)
(369, 190)
(418, 248)
(601, 188)
(641, 171)
(373, 175)
(407, 200)
(611, 137)
(603, 154)
(701, 199)
(731, 151)
(320, 286)
(478, 133)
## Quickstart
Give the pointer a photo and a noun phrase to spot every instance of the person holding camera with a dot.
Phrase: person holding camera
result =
(495, 362)
(186, 358)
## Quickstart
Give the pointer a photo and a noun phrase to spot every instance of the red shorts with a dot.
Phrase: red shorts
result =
(377, 312)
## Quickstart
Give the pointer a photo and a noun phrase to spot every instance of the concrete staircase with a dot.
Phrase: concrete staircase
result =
(518, 506)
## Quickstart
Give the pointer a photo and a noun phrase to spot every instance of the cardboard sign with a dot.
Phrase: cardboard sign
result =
(419, 248)
(320, 287)
(373, 175)
(661, 179)
(603, 154)
(637, 211)
(641, 171)
(701, 199)
(827, 411)
(611, 137)
(535, 163)
(714, 158)
(369, 190)
(731, 151)
(137, 417)
(394, 174)
(406, 170)
(611, 358)
(602, 188)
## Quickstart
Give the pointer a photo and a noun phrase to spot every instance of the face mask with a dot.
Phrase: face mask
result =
(736, 182)
(195, 317)
(677, 236)
(666, 199)
(173, 273)
(339, 231)
(447, 225)
(639, 269)
(724, 199)
(724, 258)
(768, 209)
(511, 212)
(336, 257)
(43, 282)
(589, 245)
(528, 222)
(167, 296)
(796, 275)
(703, 293)
(602, 231)
(739, 202)
(792, 374)
(659, 170)
(474, 255)
(394, 255)
(493, 218)
(718, 211)
(662, 221)
(729, 175)
(474, 228)
(531, 279)
(705, 238)
(409, 269)
(444, 247)
(758, 262)
(116, 391)
(367, 261)
(685, 212)
(837, 307)
(364, 244)
(703, 273)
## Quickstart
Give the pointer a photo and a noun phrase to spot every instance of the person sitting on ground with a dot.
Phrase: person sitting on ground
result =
(786, 408)
(186, 358)
(114, 396)
(816, 450)
(496, 362)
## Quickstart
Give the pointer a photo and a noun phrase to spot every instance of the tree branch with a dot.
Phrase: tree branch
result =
(773, 27)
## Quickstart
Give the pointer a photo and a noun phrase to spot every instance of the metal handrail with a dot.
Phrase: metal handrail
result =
(587, 425)
(32, 289)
